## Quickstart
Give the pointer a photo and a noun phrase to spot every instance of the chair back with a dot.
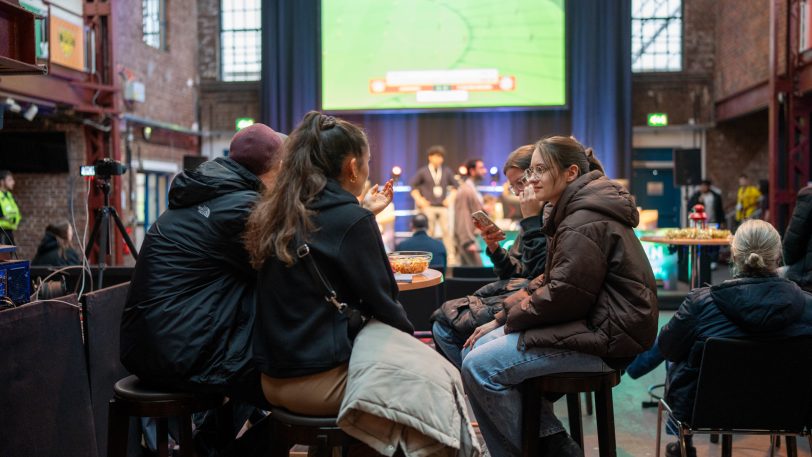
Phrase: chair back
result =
(754, 385)
(474, 272)
(462, 287)
(102, 310)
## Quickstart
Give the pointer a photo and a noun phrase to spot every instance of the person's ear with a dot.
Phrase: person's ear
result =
(571, 173)
(351, 169)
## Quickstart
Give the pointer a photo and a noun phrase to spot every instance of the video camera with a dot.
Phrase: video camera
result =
(104, 168)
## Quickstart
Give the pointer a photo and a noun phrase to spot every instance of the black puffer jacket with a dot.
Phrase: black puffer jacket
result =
(754, 308)
(297, 331)
(798, 241)
(190, 308)
(526, 257)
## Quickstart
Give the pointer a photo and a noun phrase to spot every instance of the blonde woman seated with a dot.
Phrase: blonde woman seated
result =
(755, 304)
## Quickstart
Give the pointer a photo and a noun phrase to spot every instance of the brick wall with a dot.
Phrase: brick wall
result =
(44, 198)
(170, 75)
(735, 147)
(742, 45)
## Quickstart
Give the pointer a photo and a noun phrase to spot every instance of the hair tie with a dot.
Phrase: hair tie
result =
(327, 122)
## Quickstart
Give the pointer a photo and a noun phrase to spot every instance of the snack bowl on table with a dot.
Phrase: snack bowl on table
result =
(409, 262)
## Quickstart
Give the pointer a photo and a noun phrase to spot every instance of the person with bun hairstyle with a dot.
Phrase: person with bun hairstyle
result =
(755, 304)
(593, 309)
(302, 344)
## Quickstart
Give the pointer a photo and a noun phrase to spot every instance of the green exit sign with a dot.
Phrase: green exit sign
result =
(657, 119)
(243, 122)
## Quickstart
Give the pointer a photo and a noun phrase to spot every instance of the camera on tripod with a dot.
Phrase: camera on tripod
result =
(104, 168)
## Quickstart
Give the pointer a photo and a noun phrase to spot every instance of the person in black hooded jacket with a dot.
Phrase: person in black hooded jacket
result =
(190, 309)
(302, 342)
(756, 304)
(56, 247)
(798, 241)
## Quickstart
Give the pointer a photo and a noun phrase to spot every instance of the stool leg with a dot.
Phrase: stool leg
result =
(574, 412)
(279, 445)
(588, 397)
(727, 445)
(792, 446)
(531, 416)
(186, 446)
(605, 415)
(118, 426)
(162, 438)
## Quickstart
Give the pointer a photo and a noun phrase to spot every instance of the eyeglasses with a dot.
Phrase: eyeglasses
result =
(516, 189)
(535, 172)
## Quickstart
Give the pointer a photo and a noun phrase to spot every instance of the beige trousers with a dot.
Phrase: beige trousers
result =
(317, 394)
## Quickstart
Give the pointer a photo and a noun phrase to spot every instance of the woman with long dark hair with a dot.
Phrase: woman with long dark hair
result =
(302, 343)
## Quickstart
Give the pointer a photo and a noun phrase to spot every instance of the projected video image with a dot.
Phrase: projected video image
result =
(421, 54)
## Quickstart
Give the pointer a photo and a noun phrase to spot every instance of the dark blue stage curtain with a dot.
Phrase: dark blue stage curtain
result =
(599, 114)
(601, 80)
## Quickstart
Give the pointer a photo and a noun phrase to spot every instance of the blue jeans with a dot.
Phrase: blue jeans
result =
(492, 372)
(448, 343)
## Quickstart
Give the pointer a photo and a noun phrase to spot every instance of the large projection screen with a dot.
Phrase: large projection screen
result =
(435, 54)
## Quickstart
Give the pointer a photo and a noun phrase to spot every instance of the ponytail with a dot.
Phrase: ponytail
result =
(316, 151)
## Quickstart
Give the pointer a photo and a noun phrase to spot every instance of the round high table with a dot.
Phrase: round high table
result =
(428, 278)
(694, 250)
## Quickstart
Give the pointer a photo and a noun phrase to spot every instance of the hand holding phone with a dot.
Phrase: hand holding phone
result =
(490, 232)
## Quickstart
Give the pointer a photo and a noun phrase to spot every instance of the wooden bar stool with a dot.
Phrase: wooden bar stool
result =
(571, 384)
(132, 398)
(289, 429)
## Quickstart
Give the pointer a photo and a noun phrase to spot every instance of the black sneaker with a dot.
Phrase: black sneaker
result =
(559, 445)
(672, 450)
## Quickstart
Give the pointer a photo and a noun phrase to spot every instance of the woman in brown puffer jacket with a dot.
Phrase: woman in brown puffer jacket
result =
(593, 310)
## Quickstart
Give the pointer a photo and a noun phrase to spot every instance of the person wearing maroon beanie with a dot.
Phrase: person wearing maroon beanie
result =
(190, 309)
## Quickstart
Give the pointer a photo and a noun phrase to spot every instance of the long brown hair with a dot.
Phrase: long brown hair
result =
(560, 152)
(316, 150)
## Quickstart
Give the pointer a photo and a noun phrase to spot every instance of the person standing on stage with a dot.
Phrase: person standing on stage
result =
(9, 212)
(468, 201)
(433, 189)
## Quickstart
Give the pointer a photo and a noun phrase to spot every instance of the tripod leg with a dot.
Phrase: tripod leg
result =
(93, 234)
(104, 246)
(124, 234)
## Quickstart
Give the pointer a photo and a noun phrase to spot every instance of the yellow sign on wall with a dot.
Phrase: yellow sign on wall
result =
(67, 40)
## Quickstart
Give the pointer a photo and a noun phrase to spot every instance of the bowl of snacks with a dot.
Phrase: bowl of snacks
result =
(409, 262)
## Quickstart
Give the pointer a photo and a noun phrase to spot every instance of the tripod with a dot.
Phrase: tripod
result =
(101, 230)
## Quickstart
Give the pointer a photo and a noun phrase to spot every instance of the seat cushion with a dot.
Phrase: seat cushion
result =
(286, 417)
(135, 390)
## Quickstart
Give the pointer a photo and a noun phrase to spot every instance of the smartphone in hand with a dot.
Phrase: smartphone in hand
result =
(483, 219)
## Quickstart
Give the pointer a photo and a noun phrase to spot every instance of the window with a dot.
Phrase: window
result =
(154, 23)
(656, 35)
(240, 40)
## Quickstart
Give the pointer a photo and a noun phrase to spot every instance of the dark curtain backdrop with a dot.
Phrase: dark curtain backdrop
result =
(599, 115)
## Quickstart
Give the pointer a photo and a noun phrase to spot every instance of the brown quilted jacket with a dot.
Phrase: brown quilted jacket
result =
(598, 295)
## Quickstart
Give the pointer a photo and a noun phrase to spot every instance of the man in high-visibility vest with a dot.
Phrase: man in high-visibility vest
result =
(9, 212)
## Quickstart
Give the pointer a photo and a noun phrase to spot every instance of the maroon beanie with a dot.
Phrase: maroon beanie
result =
(257, 148)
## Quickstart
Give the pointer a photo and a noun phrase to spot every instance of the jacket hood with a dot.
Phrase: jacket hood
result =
(332, 195)
(760, 305)
(594, 192)
(48, 243)
(211, 179)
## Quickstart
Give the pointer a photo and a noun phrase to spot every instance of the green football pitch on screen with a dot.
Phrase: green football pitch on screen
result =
(425, 54)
